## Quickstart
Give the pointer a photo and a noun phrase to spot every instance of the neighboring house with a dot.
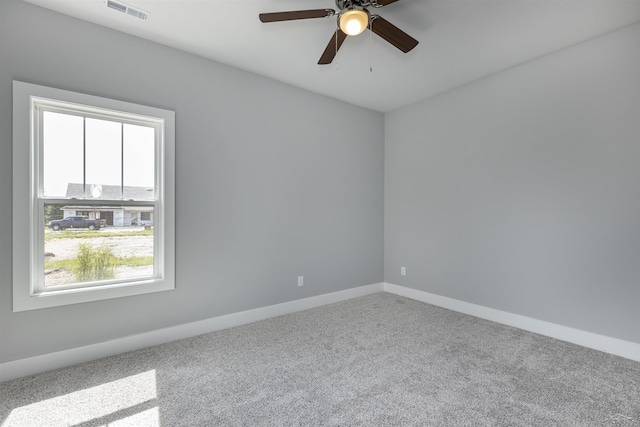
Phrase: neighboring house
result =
(118, 216)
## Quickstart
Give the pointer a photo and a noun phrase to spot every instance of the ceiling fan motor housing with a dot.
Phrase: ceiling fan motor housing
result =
(346, 4)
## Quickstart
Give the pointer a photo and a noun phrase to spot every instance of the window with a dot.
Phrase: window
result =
(86, 171)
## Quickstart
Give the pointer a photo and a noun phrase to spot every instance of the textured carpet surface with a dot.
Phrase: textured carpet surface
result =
(378, 360)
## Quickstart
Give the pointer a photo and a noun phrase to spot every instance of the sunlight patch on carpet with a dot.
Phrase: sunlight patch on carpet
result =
(94, 403)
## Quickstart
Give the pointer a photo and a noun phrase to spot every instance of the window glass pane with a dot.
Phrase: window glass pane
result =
(103, 159)
(63, 154)
(139, 162)
(120, 246)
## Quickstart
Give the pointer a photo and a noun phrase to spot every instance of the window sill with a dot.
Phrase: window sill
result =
(54, 298)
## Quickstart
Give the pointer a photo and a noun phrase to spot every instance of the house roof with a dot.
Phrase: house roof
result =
(108, 208)
(109, 192)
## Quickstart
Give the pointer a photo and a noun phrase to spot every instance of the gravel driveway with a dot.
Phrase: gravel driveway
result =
(122, 247)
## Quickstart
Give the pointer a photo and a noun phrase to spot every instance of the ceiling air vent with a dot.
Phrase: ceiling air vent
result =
(121, 7)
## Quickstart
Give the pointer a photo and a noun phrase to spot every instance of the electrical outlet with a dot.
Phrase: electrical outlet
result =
(300, 280)
(403, 271)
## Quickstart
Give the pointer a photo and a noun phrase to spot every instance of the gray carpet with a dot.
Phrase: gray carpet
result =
(379, 360)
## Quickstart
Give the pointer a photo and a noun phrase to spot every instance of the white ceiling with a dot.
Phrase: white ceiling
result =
(460, 40)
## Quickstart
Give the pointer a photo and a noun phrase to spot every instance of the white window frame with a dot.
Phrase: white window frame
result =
(29, 292)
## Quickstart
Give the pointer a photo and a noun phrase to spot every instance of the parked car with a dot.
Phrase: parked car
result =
(77, 222)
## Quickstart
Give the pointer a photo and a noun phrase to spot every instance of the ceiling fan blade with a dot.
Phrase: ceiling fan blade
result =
(296, 14)
(384, 2)
(392, 34)
(332, 48)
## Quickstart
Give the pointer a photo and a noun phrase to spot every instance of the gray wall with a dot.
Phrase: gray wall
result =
(272, 181)
(521, 191)
(518, 192)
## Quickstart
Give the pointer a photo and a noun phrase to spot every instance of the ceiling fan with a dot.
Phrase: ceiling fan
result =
(353, 19)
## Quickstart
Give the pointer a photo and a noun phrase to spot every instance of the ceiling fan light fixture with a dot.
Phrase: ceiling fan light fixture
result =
(354, 22)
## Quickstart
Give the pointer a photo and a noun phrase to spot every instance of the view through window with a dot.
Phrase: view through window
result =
(95, 164)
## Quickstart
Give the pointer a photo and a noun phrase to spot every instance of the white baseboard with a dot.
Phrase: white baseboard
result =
(59, 359)
(36, 364)
(626, 349)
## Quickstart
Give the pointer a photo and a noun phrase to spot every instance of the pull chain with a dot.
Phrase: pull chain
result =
(370, 49)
